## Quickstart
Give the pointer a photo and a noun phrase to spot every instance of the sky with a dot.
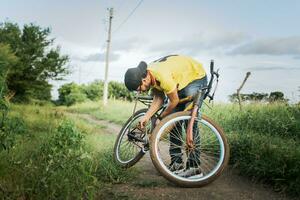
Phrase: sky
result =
(262, 37)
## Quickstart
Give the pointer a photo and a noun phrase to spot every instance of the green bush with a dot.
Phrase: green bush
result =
(60, 168)
(119, 91)
(70, 94)
(94, 90)
(10, 127)
(55, 161)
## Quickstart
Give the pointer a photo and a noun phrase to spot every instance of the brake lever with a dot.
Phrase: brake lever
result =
(217, 73)
(211, 98)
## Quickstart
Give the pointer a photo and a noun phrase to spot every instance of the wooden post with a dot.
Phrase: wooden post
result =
(240, 88)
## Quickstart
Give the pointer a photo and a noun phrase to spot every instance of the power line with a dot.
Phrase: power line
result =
(136, 7)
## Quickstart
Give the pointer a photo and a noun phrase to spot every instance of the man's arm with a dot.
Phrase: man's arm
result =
(158, 99)
(174, 100)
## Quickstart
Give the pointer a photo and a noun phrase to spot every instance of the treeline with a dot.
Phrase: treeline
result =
(72, 93)
(275, 96)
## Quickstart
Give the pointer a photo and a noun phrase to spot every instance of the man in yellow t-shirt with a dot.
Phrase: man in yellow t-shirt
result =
(177, 77)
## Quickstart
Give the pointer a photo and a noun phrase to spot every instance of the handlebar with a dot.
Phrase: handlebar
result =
(212, 76)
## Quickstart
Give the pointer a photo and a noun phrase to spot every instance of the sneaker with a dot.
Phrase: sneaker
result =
(191, 173)
(176, 167)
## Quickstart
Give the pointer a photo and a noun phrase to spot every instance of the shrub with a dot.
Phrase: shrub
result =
(60, 168)
(10, 127)
(94, 90)
(119, 91)
(70, 94)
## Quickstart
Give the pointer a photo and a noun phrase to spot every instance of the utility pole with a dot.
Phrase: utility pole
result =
(105, 91)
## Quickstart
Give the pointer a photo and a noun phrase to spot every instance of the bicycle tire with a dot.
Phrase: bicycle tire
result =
(184, 182)
(140, 154)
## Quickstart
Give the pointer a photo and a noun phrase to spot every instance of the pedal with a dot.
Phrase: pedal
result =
(146, 148)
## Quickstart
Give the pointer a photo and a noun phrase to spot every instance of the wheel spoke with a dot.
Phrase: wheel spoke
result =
(206, 155)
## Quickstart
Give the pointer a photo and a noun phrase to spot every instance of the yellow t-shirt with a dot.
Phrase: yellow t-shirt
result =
(175, 71)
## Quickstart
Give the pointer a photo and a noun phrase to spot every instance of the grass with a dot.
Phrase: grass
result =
(116, 111)
(264, 138)
(266, 119)
(264, 142)
(59, 157)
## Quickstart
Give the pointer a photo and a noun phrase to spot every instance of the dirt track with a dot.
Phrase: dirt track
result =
(150, 185)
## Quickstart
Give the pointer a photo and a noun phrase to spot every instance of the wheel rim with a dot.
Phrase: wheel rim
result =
(127, 147)
(212, 148)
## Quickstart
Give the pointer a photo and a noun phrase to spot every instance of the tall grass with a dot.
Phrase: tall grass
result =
(264, 138)
(56, 158)
(265, 142)
(268, 119)
(116, 111)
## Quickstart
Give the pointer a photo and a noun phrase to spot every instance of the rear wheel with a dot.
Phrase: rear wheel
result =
(200, 165)
(131, 143)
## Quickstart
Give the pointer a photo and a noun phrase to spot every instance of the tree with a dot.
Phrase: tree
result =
(277, 96)
(253, 97)
(70, 94)
(9, 127)
(259, 97)
(38, 61)
(7, 59)
(94, 90)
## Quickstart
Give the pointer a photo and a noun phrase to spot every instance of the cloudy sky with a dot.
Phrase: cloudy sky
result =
(262, 37)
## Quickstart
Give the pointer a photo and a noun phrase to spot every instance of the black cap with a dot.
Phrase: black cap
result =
(133, 76)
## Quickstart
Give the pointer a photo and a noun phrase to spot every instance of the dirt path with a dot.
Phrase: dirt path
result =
(150, 185)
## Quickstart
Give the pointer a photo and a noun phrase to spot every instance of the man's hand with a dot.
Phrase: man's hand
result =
(143, 122)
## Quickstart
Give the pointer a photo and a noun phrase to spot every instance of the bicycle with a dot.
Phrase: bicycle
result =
(209, 146)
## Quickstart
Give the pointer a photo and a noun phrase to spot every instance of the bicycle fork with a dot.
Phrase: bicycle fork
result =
(196, 105)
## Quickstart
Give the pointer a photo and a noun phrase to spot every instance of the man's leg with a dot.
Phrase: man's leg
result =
(175, 144)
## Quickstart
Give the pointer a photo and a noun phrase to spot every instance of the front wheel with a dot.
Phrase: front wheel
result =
(193, 167)
(131, 142)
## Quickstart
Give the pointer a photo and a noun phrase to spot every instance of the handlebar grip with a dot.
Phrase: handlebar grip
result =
(211, 66)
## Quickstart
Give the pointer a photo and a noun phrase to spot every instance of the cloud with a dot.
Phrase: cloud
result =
(271, 68)
(203, 42)
(98, 57)
(272, 46)
(128, 44)
(297, 57)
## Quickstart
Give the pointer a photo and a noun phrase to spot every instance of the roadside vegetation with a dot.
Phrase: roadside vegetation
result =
(264, 141)
(264, 138)
(55, 157)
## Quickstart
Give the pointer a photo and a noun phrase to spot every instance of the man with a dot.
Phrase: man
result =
(177, 77)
